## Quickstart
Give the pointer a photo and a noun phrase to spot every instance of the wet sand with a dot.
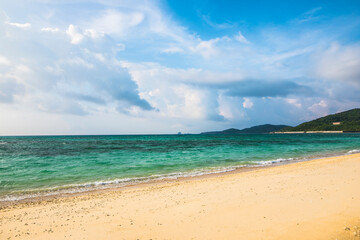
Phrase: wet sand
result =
(318, 199)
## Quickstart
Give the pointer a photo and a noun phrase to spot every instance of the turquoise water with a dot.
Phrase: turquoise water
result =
(44, 165)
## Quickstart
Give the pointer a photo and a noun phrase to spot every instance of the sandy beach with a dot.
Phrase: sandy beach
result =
(318, 199)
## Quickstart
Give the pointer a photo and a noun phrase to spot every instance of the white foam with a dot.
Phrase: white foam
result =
(84, 187)
(121, 182)
(269, 162)
(354, 151)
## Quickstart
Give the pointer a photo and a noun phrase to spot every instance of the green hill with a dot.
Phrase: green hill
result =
(227, 131)
(349, 122)
(266, 128)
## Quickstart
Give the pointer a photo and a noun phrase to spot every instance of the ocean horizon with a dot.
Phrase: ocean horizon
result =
(35, 166)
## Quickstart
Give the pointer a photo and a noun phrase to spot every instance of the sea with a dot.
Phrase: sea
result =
(36, 166)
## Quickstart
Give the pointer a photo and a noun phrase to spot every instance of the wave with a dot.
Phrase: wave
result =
(276, 161)
(354, 151)
(1, 143)
(122, 182)
(97, 185)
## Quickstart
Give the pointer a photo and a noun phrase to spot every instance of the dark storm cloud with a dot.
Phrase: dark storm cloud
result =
(125, 89)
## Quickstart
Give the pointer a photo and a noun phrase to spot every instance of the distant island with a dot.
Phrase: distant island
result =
(266, 128)
(348, 121)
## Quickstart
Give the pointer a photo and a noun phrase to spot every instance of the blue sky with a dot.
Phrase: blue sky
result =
(121, 67)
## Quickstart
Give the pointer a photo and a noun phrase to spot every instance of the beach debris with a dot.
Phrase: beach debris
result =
(346, 228)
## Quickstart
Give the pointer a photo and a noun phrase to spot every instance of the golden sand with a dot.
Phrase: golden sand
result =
(318, 199)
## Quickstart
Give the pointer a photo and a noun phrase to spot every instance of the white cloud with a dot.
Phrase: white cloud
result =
(240, 37)
(93, 33)
(49, 29)
(230, 108)
(98, 56)
(120, 47)
(341, 63)
(19, 25)
(21, 68)
(98, 67)
(226, 109)
(148, 73)
(309, 15)
(117, 22)
(320, 109)
(190, 105)
(56, 70)
(171, 91)
(293, 101)
(50, 74)
(247, 103)
(77, 35)
(173, 50)
(4, 60)
(74, 34)
(206, 48)
(80, 62)
(225, 25)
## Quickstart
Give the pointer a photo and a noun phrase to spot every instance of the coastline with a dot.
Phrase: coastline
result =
(315, 199)
(72, 191)
(134, 185)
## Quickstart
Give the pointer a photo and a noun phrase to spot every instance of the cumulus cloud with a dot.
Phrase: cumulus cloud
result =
(74, 34)
(206, 48)
(294, 102)
(80, 62)
(93, 33)
(247, 103)
(320, 109)
(132, 60)
(65, 77)
(158, 85)
(96, 82)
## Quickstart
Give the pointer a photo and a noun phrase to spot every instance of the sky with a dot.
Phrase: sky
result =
(148, 67)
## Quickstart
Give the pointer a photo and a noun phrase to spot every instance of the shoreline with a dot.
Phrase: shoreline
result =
(163, 180)
(155, 182)
(316, 199)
